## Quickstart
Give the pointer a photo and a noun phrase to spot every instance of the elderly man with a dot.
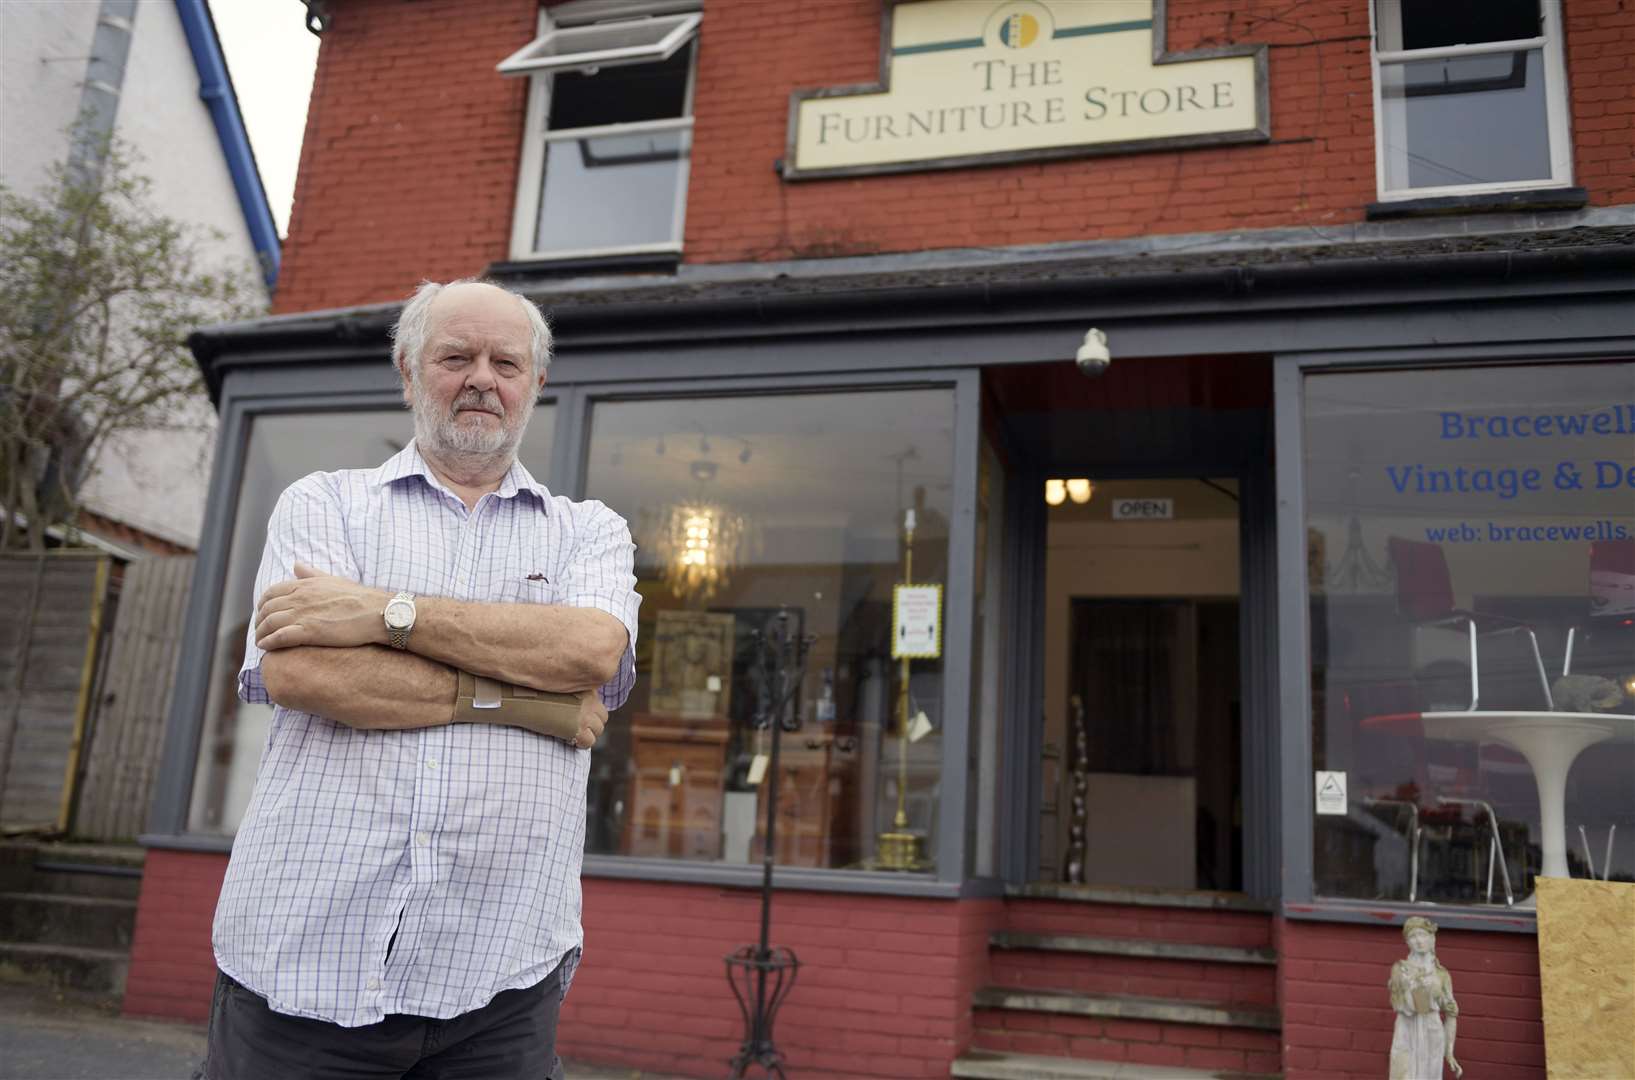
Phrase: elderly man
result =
(442, 637)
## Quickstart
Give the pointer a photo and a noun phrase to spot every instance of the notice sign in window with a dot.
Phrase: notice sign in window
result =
(916, 622)
(1143, 509)
(1330, 792)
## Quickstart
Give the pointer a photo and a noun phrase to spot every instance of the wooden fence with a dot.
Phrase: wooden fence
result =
(51, 622)
(132, 700)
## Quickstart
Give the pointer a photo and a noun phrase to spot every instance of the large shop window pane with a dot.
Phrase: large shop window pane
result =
(1465, 120)
(1471, 562)
(739, 506)
(281, 450)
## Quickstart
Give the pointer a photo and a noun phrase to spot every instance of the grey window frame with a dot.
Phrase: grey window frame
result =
(347, 386)
(247, 394)
(1289, 372)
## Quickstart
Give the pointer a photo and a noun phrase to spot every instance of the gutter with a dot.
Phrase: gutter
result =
(216, 91)
(361, 332)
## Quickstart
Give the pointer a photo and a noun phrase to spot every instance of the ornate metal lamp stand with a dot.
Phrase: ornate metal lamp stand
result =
(761, 976)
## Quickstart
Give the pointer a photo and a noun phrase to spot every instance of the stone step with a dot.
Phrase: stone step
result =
(999, 1065)
(1157, 950)
(130, 856)
(106, 870)
(68, 967)
(1128, 1007)
(64, 919)
(82, 879)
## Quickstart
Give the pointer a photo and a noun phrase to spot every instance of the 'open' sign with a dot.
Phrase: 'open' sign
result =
(1143, 509)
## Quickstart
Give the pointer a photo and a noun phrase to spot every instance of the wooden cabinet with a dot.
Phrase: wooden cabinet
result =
(814, 801)
(675, 792)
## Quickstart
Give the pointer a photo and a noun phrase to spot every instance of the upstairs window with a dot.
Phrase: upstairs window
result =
(1469, 97)
(604, 164)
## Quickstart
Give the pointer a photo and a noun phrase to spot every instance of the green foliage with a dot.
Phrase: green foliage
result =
(98, 293)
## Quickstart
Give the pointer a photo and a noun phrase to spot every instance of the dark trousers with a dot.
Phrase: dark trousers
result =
(513, 1036)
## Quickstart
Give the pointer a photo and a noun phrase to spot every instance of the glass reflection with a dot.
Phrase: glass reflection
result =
(1471, 561)
(739, 506)
(613, 190)
(1442, 120)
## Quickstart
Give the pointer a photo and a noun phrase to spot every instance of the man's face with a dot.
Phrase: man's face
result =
(473, 388)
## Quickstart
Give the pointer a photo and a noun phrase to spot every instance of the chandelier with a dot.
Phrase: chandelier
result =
(698, 544)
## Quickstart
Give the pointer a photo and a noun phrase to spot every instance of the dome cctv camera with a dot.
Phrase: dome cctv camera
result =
(1093, 358)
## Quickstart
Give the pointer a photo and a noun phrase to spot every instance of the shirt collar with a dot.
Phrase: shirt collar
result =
(408, 462)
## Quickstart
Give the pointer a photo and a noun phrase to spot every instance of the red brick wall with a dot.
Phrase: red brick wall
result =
(884, 989)
(173, 969)
(1600, 39)
(409, 165)
(1337, 1016)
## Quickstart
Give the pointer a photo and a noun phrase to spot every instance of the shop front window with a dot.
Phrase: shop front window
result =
(283, 448)
(1471, 569)
(742, 507)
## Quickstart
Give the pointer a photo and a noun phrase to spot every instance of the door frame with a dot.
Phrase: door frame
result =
(1024, 689)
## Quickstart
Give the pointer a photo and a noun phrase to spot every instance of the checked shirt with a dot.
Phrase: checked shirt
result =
(457, 847)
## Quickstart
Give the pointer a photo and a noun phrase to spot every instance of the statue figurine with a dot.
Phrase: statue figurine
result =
(1427, 1015)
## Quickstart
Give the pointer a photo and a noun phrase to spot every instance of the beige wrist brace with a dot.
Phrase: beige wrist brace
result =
(481, 700)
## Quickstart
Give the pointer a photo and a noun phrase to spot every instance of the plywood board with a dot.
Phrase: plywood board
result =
(1586, 955)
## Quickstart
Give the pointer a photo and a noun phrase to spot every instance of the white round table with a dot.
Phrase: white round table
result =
(1551, 742)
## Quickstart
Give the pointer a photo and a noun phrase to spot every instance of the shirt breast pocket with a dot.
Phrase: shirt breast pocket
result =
(526, 589)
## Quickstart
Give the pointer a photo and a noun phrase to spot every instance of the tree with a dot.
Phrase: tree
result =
(98, 292)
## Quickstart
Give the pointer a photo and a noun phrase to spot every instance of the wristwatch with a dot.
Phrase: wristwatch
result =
(400, 619)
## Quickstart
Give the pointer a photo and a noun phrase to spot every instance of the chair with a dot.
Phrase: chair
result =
(1425, 599)
(1429, 811)
(1612, 587)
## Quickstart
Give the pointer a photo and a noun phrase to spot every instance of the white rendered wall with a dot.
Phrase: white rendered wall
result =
(154, 481)
(43, 49)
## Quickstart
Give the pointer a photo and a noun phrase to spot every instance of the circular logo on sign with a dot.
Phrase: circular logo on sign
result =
(1019, 31)
(1019, 25)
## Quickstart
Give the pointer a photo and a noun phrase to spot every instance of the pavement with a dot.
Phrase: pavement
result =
(47, 1034)
(50, 1035)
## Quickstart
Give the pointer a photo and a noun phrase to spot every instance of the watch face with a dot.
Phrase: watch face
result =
(399, 614)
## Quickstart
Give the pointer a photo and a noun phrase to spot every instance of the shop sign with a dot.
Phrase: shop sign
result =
(973, 82)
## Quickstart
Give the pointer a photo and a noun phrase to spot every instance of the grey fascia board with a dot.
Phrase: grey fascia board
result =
(1246, 289)
(1261, 132)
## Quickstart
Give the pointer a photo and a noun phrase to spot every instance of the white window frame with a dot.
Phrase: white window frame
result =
(523, 62)
(1549, 45)
(537, 137)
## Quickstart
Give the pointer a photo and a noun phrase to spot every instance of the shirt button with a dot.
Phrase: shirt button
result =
(431, 763)
(422, 838)
(372, 984)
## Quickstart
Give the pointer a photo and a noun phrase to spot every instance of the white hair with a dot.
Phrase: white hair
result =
(408, 334)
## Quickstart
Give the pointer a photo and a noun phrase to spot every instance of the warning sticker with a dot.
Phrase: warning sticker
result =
(1330, 792)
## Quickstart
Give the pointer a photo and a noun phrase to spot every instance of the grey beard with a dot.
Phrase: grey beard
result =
(446, 439)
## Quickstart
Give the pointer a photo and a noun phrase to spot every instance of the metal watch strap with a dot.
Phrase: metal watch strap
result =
(399, 638)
